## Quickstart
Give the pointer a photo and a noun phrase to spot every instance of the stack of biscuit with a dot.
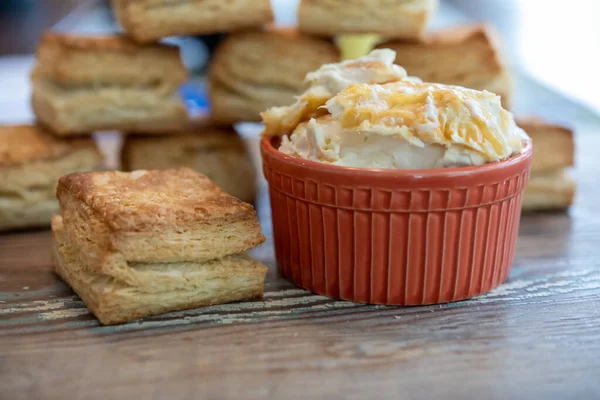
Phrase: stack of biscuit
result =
(31, 161)
(262, 68)
(215, 151)
(83, 84)
(252, 71)
(550, 186)
(147, 242)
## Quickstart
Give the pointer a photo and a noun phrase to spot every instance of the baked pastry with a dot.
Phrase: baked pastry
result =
(395, 18)
(149, 20)
(549, 190)
(163, 216)
(252, 71)
(554, 145)
(155, 287)
(31, 161)
(218, 153)
(469, 56)
(86, 84)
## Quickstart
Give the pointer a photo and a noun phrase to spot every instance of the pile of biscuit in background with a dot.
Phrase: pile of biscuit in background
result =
(129, 83)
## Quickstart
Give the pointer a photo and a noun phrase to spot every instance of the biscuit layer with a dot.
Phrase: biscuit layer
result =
(83, 110)
(159, 288)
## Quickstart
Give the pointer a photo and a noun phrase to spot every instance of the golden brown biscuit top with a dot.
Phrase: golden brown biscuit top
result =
(21, 144)
(146, 200)
(112, 43)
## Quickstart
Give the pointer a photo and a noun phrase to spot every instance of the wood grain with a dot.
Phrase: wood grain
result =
(536, 336)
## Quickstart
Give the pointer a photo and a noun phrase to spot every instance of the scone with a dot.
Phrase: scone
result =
(83, 84)
(31, 161)
(218, 153)
(163, 216)
(550, 187)
(469, 56)
(150, 20)
(252, 71)
(157, 287)
(554, 145)
(391, 18)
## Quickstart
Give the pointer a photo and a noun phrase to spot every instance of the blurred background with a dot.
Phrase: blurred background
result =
(553, 47)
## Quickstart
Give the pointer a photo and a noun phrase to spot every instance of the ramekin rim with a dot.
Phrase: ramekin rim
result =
(268, 147)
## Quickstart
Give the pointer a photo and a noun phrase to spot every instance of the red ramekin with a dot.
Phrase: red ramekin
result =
(404, 237)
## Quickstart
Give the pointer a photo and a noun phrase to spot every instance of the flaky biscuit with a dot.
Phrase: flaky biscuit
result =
(218, 153)
(252, 71)
(396, 18)
(83, 84)
(156, 288)
(148, 20)
(31, 161)
(154, 216)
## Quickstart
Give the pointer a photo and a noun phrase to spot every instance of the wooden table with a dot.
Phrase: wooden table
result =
(537, 336)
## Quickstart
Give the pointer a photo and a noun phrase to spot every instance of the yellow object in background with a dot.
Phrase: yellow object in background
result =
(355, 46)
